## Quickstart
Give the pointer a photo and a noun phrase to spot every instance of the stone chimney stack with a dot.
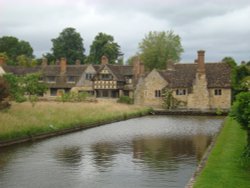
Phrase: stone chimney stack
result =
(44, 62)
(170, 65)
(201, 61)
(2, 61)
(104, 60)
(63, 65)
(78, 62)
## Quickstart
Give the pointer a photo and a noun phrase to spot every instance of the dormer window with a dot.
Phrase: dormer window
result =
(71, 79)
(106, 77)
(51, 79)
(89, 76)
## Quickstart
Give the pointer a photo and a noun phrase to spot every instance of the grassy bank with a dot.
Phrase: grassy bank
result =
(224, 167)
(23, 120)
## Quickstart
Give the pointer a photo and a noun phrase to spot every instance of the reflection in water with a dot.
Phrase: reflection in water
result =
(69, 156)
(103, 154)
(147, 152)
(166, 152)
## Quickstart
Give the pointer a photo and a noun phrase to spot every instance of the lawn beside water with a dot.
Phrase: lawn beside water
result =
(22, 120)
(224, 167)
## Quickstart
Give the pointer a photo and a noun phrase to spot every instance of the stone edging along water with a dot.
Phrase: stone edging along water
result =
(204, 159)
(33, 138)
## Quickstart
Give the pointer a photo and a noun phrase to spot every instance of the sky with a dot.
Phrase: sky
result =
(220, 27)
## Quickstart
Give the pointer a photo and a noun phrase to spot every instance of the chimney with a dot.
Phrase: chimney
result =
(170, 65)
(78, 62)
(44, 62)
(104, 60)
(138, 67)
(201, 61)
(63, 65)
(2, 61)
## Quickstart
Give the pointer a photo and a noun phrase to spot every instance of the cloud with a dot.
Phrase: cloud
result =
(220, 27)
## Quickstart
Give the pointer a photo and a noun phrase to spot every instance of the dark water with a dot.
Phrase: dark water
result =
(157, 151)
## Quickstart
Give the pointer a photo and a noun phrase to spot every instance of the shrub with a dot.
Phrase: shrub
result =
(73, 97)
(126, 100)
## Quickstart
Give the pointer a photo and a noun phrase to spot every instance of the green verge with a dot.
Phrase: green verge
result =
(225, 166)
(24, 121)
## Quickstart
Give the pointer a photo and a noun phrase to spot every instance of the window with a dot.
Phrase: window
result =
(217, 92)
(53, 92)
(157, 93)
(181, 92)
(106, 77)
(88, 76)
(71, 79)
(51, 79)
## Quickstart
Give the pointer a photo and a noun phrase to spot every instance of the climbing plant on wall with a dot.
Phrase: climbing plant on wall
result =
(169, 102)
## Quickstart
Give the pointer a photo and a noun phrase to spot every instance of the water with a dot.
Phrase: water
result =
(153, 151)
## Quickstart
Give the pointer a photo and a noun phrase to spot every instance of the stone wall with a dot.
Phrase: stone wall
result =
(145, 90)
(199, 98)
(222, 101)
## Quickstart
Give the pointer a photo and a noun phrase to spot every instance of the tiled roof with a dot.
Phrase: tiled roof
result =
(183, 75)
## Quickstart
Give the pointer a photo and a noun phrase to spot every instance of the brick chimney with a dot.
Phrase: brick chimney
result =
(170, 65)
(2, 61)
(63, 65)
(138, 68)
(201, 62)
(104, 60)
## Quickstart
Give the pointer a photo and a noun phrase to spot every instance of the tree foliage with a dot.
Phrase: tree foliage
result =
(169, 102)
(104, 44)
(14, 48)
(23, 60)
(4, 90)
(68, 44)
(241, 113)
(26, 87)
(158, 47)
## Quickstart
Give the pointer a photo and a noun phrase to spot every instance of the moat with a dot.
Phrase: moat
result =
(152, 151)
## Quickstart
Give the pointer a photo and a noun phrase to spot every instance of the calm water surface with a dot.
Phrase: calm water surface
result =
(148, 152)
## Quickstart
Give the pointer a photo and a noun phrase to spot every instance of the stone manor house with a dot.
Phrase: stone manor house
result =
(197, 85)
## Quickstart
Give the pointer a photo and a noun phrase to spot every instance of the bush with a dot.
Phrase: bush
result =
(125, 99)
(73, 97)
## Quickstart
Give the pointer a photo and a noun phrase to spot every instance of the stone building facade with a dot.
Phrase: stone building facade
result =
(196, 85)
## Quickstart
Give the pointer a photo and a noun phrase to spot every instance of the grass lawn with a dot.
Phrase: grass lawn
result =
(224, 167)
(22, 120)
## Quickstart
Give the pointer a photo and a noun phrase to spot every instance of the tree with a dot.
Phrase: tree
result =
(4, 93)
(241, 113)
(104, 44)
(159, 47)
(14, 48)
(25, 87)
(69, 44)
(23, 60)
(230, 61)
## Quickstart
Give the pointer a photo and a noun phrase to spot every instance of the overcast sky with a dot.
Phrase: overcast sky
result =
(220, 27)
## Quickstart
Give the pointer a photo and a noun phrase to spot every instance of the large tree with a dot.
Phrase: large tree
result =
(68, 44)
(159, 47)
(14, 48)
(104, 44)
